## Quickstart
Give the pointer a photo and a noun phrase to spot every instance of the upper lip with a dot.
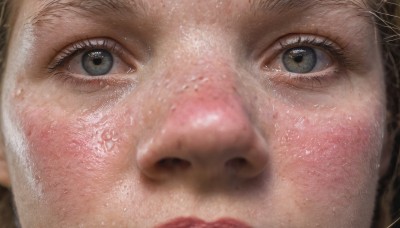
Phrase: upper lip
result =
(198, 223)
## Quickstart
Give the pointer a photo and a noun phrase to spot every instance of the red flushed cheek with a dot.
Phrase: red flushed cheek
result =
(332, 161)
(75, 157)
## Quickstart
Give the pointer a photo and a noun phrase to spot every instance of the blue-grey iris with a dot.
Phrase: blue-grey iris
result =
(97, 62)
(300, 60)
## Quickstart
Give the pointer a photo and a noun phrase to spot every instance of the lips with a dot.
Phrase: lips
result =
(197, 223)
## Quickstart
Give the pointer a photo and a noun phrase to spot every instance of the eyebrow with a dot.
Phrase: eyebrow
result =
(285, 5)
(55, 9)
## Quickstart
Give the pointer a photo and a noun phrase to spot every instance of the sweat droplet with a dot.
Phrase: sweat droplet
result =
(18, 92)
(109, 145)
(107, 136)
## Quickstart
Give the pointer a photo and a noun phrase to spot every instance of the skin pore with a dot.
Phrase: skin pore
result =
(198, 117)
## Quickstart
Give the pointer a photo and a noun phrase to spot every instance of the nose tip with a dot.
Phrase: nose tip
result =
(204, 139)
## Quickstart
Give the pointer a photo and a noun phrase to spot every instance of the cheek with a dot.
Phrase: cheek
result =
(77, 157)
(332, 160)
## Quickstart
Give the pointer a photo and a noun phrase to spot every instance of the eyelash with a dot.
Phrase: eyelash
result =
(322, 43)
(337, 53)
(81, 46)
(86, 84)
(312, 80)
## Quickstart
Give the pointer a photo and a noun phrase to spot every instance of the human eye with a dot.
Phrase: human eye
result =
(93, 64)
(305, 62)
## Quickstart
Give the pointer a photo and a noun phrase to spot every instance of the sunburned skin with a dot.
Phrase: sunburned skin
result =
(200, 129)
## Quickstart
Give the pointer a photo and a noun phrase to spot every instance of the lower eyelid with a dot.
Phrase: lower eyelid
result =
(83, 84)
(311, 81)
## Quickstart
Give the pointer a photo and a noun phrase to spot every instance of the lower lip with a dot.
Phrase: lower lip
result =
(197, 223)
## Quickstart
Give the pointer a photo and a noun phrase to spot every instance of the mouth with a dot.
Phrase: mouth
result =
(198, 223)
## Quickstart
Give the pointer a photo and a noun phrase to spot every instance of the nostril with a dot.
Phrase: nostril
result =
(171, 164)
(237, 164)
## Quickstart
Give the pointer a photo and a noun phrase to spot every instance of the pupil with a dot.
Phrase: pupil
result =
(298, 59)
(97, 61)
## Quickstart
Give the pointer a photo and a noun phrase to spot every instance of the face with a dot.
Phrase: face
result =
(179, 113)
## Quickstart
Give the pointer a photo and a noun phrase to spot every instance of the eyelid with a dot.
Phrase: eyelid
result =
(78, 47)
(337, 53)
(306, 81)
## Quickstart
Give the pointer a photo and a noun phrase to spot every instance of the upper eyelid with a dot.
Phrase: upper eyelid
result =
(79, 46)
(317, 42)
(310, 41)
(327, 45)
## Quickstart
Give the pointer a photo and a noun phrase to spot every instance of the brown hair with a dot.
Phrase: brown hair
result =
(387, 17)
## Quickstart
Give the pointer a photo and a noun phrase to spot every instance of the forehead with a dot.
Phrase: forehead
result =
(46, 10)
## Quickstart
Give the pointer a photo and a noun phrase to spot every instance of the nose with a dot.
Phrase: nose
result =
(206, 136)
